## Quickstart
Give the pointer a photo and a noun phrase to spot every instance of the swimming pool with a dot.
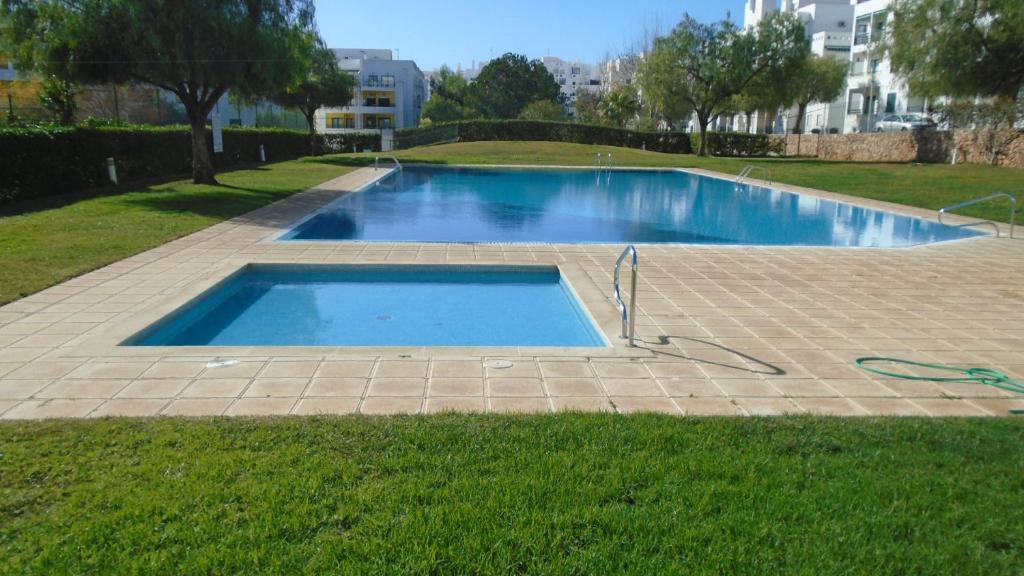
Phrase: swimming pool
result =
(337, 305)
(444, 204)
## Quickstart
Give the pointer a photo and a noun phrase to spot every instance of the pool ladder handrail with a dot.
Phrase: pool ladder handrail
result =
(604, 165)
(749, 168)
(966, 203)
(376, 162)
(628, 315)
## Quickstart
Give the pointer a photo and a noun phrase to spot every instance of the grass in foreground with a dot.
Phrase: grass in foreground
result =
(565, 494)
(931, 186)
(47, 241)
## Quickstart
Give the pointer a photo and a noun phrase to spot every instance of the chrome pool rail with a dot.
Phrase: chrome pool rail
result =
(603, 165)
(628, 315)
(749, 168)
(966, 203)
(376, 162)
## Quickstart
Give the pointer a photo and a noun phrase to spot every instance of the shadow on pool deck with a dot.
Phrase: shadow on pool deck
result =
(770, 369)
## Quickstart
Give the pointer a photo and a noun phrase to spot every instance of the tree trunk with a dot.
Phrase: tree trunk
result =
(314, 148)
(202, 164)
(801, 112)
(749, 114)
(703, 121)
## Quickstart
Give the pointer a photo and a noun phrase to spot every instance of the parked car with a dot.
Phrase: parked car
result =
(904, 123)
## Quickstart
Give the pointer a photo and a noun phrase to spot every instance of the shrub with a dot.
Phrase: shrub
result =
(48, 161)
(338, 143)
(739, 144)
(533, 130)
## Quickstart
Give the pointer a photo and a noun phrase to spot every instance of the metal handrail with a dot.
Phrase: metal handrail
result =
(628, 316)
(964, 204)
(376, 162)
(602, 166)
(749, 168)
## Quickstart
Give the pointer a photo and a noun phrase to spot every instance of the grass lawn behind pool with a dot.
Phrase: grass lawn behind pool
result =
(486, 494)
(44, 242)
(931, 186)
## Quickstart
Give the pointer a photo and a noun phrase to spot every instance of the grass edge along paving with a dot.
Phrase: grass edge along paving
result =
(555, 494)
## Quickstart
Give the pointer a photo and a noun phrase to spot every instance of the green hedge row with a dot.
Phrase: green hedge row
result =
(351, 142)
(40, 162)
(738, 144)
(537, 130)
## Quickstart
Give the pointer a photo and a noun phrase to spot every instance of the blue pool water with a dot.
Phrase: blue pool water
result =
(431, 204)
(286, 305)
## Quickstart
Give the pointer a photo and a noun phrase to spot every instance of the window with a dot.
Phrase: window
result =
(856, 103)
(890, 103)
(385, 102)
(387, 81)
(335, 122)
(371, 101)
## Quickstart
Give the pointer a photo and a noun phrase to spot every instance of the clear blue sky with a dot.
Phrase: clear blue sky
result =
(436, 32)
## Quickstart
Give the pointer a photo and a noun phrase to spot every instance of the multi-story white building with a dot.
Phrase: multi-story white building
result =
(389, 93)
(573, 78)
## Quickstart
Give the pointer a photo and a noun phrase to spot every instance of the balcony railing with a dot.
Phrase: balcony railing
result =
(861, 39)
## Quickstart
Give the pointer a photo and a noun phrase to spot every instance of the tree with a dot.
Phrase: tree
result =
(448, 95)
(543, 110)
(506, 85)
(323, 84)
(588, 106)
(197, 50)
(820, 79)
(959, 47)
(995, 118)
(620, 106)
(58, 97)
(707, 65)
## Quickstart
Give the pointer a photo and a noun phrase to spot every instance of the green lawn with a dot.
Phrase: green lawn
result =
(930, 186)
(565, 494)
(45, 242)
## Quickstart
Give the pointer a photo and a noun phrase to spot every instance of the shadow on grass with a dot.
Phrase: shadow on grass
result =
(363, 161)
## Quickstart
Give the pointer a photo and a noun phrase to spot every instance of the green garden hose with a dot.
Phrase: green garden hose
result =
(985, 376)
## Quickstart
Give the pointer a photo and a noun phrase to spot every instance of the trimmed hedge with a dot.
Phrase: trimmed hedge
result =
(40, 162)
(537, 130)
(342, 143)
(738, 144)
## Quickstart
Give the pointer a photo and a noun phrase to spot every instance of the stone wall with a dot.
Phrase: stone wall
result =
(928, 146)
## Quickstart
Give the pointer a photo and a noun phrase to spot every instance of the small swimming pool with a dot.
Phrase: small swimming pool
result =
(441, 204)
(319, 305)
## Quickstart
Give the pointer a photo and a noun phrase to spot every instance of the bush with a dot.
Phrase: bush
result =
(533, 130)
(340, 143)
(48, 161)
(739, 144)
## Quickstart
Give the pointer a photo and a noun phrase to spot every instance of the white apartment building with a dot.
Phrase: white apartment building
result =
(573, 78)
(389, 93)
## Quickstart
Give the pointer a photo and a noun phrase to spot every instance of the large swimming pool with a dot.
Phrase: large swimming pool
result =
(434, 204)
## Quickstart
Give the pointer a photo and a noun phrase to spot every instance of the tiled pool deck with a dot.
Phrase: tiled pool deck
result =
(723, 330)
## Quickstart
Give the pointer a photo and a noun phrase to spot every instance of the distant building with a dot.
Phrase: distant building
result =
(573, 78)
(389, 93)
(7, 72)
(620, 71)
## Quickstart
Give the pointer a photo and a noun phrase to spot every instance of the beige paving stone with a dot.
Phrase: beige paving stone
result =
(566, 370)
(130, 407)
(804, 388)
(276, 387)
(708, 406)
(397, 387)
(401, 369)
(574, 387)
(239, 370)
(767, 406)
(6, 405)
(194, 407)
(999, 406)
(632, 387)
(261, 407)
(948, 407)
(514, 387)
(632, 404)
(83, 389)
(746, 387)
(106, 370)
(860, 389)
(216, 388)
(174, 370)
(830, 406)
(314, 406)
(510, 405)
(281, 369)
(337, 387)
(690, 387)
(346, 369)
(684, 369)
(457, 369)
(889, 407)
(20, 389)
(59, 408)
(456, 387)
(163, 388)
(455, 404)
(42, 370)
(621, 370)
(581, 404)
(520, 368)
(380, 405)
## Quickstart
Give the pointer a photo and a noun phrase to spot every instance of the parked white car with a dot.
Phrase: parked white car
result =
(904, 123)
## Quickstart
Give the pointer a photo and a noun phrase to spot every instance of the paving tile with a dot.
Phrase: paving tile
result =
(240, 370)
(163, 388)
(130, 407)
(314, 406)
(519, 369)
(261, 407)
(889, 407)
(519, 405)
(197, 407)
(174, 370)
(397, 387)
(706, 406)
(337, 387)
(289, 369)
(514, 387)
(566, 369)
(948, 407)
(744, 387)
(20, 389)
(632, 387)
(83, 389)
(860, 389)
(621, 370)
(41, 370)
(456, 369)
(455, 404)
(999, 406)
(456, 387)
(60, 408)
(581, 404)
(632, 404)
(805, 388)
(276, 387)
(216, 388)
(690, 387)
(400, 369)
(574, 387)
(830, 406)
(387, 406)
(767, 406)
(6, 405)
(346, 369)
(106, 370)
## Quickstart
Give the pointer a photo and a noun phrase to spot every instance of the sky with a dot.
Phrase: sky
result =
(454, 32)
